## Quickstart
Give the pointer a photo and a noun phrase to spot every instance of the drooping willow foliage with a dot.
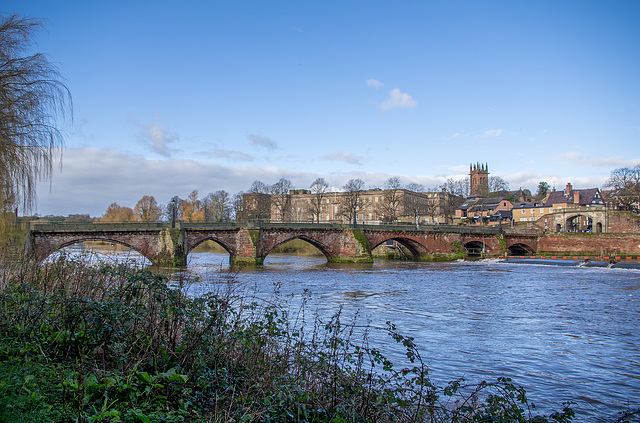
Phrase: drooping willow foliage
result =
(32, 98)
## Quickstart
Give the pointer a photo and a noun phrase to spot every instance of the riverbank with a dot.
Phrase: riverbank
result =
(102, 343)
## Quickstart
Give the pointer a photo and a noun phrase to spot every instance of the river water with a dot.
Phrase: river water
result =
(564, 333)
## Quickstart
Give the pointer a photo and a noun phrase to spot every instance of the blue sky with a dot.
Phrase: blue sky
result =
(212, 95)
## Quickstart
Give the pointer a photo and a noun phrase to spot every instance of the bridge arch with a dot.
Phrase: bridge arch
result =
(324, 249)
(475, 248)
(215, 239)
(416, 249)
(520, 249)
(46, 253)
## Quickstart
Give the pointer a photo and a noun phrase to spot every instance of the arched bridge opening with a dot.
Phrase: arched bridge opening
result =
(475, 249)
(100, 247)
(212, 250)
(520, 249)
(299, 244)
(399, 248)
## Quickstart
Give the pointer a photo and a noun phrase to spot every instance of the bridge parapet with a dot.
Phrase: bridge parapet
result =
(99, 227)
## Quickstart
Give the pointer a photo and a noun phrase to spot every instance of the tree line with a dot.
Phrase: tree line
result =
(221, 206)
(215, 207)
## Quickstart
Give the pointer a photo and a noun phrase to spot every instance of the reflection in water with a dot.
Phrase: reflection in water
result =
(564, 333)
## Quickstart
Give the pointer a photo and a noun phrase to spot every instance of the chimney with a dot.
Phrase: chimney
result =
(567, 190)
(576, 197)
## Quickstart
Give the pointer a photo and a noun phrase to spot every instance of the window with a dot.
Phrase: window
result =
(523, 211)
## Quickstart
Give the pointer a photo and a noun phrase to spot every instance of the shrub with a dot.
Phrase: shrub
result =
(110, 343)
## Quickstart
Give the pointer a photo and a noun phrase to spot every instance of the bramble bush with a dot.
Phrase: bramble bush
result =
(108, 343)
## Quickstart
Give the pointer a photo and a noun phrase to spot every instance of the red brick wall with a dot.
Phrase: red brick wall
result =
(600, 244)
(624, 223)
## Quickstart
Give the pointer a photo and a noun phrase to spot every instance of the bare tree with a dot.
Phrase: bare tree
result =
(32, 98)
(458, 187)
(217, 206)
(352, 200)
(237, 207)
(625, 185)
(259, 187)
(453, 197)
(496, 184)
(415, 187)
(281, 199)
(319, 189)
(391, 199)
(433, 207)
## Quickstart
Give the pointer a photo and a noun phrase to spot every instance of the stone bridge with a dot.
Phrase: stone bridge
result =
(251, 243)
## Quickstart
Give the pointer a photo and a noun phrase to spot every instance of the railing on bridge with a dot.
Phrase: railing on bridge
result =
(137, 226)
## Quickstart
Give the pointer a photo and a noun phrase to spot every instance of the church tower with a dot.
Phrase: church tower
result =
(478, 180)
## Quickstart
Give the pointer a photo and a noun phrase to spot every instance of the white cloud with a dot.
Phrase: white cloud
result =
(397, 99)
(264, 142)
(530, 180)
(493, 133)
(374, 83)
(346, 156)
(93, 178)
(233, 155)
(458, 169)
(158, 138)
(611, 162)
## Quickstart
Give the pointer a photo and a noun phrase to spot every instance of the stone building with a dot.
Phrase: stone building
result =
(575, 210)
(491, 211)
(373, 207)
(478, 180)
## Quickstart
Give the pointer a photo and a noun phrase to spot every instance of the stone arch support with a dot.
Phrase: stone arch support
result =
(241, 244)
(518, 245)
(42, 245)
(338, 245)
